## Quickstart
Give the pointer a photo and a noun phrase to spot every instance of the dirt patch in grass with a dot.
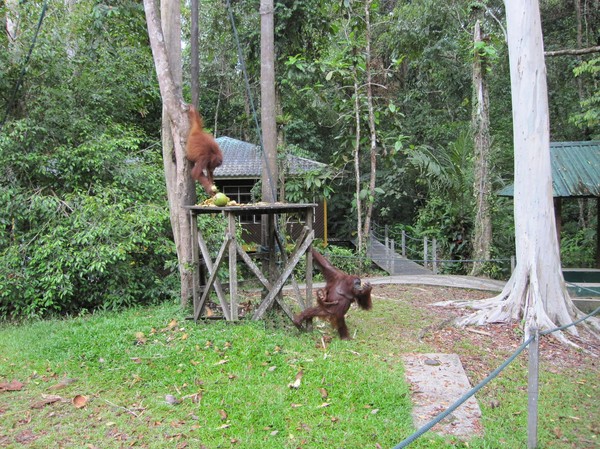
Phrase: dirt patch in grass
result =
(482, 348)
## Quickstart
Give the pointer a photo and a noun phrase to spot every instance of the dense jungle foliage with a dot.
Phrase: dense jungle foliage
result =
(84, 215)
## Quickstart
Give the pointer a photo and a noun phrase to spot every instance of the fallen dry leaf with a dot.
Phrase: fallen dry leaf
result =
(324, 404)
(323, 392)
(79, 401)
(223, 415)
(13, 385)
(221, 362)
(170, 399)
(46, 400)
(140, 338)
(297, 381)
(196, 397)
(26, 437)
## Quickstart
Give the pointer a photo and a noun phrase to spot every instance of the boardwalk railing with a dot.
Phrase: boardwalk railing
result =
(424, 250)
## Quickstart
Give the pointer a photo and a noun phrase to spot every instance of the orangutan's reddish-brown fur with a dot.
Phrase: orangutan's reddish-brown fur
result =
(340, 291)
(203, 150)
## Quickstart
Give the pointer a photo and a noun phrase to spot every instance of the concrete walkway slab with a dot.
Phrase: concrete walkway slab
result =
(438, 381)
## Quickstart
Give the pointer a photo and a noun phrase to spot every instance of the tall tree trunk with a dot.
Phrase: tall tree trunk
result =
(482, 238)
(195, 53)
(11, 25)
(269, 129)
(372, 129)
(359, 236)
(536, 292)
(578, 15)
(166, 50)
(267, 105)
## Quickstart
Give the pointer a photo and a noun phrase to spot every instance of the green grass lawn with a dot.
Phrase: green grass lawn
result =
(150, 378)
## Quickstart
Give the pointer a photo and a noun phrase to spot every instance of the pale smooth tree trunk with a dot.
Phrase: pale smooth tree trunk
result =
(482, 236)
(11, 24)
(536, 292)
(165, 40)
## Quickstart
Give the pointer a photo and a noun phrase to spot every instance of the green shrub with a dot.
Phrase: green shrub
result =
(86, 226)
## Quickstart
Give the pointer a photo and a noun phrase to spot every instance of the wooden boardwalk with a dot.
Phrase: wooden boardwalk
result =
(393, 262)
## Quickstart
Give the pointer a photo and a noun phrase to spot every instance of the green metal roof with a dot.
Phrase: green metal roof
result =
(575, 170)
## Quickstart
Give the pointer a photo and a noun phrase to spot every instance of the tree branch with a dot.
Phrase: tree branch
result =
(573, 52)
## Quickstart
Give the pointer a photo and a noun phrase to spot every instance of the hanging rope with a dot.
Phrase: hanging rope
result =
(272, 185)
(13, 100)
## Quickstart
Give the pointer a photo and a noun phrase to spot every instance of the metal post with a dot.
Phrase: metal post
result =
(533, 389)
(393, 257)
(434, 256)
(425, 250)
(403, 243)
(386, 236)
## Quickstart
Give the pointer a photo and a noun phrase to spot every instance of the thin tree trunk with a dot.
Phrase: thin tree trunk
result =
(372, 129)
(482, 238)
(166, 50)
(195, 56)
(360, 243)
(11, 26)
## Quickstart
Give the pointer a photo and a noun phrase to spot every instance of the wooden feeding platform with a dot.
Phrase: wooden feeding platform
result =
(274, 280)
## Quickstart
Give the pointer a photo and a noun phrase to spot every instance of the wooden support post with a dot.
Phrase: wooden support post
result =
(233, 290)
(300, 249)
(217, 284)
(253, 267)
(425, 251)
(309, 259)
(403, 243)
(195, 261)
(212, 280)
